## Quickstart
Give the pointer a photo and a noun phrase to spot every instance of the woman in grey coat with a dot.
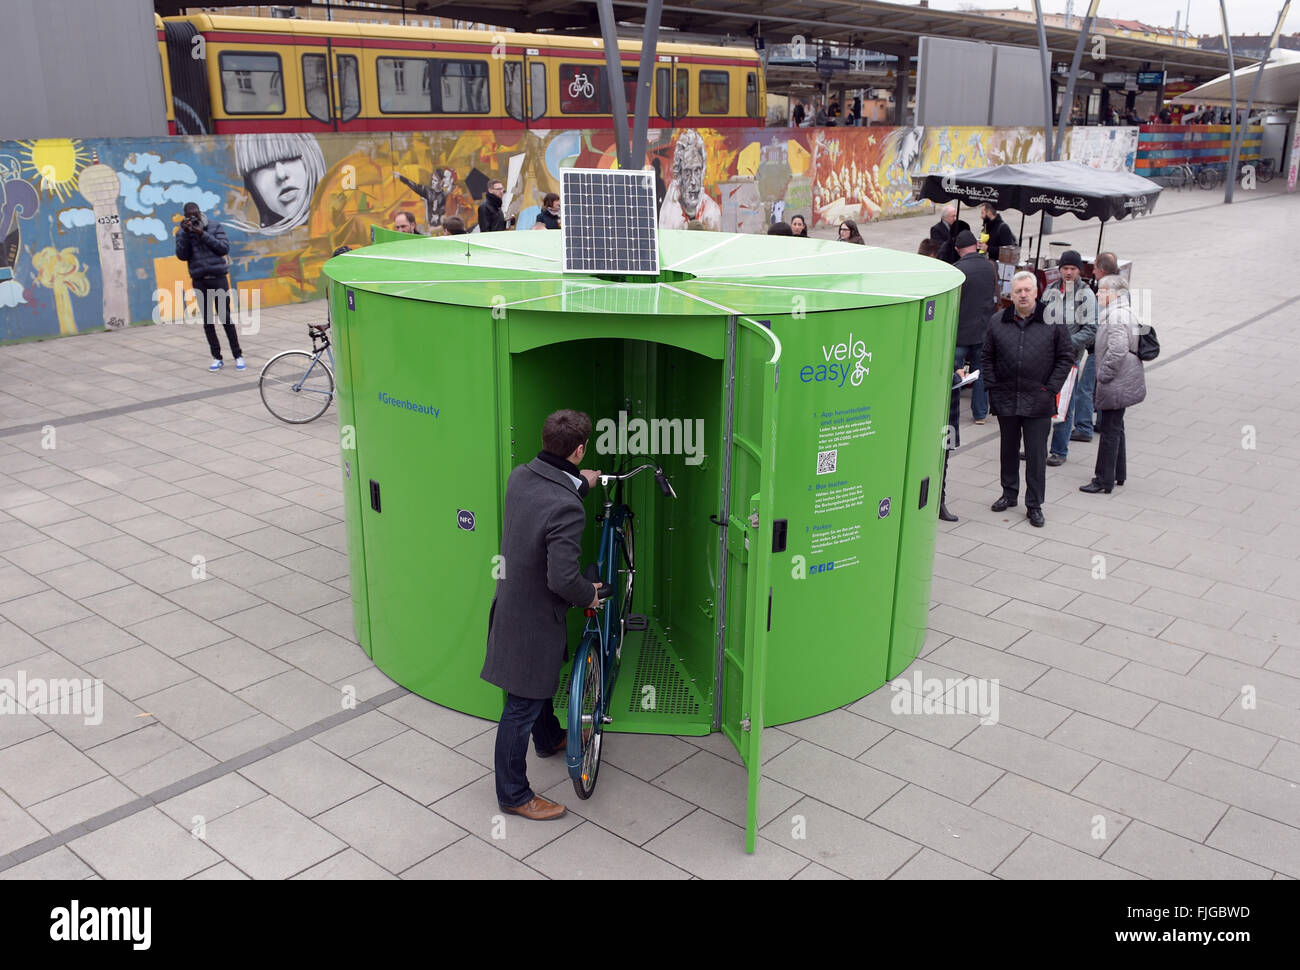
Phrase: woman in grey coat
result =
(1120, 381)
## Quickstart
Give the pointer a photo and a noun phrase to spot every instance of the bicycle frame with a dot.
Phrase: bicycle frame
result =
(605, 626)
(323, 340)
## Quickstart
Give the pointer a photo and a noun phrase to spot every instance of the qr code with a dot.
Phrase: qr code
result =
(826, 461)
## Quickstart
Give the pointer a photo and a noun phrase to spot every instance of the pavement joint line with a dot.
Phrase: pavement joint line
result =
(183, 785)
(85, 416)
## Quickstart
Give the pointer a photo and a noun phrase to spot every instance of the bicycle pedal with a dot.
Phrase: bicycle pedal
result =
(636, 622)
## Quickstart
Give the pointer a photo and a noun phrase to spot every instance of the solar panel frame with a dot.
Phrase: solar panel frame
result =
(610, 221)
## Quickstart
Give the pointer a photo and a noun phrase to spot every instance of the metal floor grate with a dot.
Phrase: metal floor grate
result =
(654, 667)
(672, 694)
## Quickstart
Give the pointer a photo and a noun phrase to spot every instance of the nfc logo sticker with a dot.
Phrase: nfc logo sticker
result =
(883, 509)
(929, 311)
(465, 520)
(352, 300)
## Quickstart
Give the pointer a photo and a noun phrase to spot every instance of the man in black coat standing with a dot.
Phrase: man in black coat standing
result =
(540, 544)
(999, 232)
(203, 246)
(978, 298)
(1024, 365)
(941, 234)
(490, 216)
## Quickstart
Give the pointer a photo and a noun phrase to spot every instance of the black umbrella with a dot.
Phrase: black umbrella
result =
(1056, 188)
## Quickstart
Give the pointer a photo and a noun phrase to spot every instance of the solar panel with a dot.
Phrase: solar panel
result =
(609, 222)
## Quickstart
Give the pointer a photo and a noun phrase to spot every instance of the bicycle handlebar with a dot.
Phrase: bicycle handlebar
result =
(664, 485)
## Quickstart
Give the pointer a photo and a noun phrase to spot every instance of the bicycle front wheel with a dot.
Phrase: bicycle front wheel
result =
(1207, 178)
(586, 716)
(1264, 173)
(296, 386)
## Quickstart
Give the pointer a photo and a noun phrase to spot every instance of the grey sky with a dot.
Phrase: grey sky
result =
(1244, 16)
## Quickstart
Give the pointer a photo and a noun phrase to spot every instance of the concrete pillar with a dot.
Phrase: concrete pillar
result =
(903, 56)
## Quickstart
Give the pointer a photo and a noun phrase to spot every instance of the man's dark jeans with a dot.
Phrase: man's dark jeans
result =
(1034, 432)
(208, 289)
(522, 717)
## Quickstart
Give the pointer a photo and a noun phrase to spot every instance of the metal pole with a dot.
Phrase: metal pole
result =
(1074, 70)
(614, 82)
(644, 77)
(1250, 103)
(1046, 58)
(1232, 120)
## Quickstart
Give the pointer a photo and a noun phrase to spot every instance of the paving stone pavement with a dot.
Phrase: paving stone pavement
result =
(161, 532)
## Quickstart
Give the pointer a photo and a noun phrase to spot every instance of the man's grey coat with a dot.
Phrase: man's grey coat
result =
(540, 547)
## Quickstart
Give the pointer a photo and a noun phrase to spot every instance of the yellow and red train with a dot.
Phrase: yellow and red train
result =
(251, 74)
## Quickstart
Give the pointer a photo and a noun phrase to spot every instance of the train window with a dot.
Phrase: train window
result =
(715, 92)
(537, 92)
(403, 84)
(629, 87)
(463, 87)
(349, 87)
(251, 83)
(663, 92)
(514, 74)
(751, 95)
(683, 92)
(580, 89)
(316, 86)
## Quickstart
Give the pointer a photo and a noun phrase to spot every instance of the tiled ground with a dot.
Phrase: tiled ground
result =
(1149, 720)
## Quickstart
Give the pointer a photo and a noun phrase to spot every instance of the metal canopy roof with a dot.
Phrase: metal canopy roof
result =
(1278, 87)
(871, 24)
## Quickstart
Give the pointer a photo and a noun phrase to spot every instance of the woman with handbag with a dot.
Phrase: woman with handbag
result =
(1120, 381)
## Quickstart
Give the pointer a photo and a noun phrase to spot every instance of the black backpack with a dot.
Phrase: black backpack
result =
(1148, 346)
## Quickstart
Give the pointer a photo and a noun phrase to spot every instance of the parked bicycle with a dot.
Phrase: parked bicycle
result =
(596, 662)
(297, 385)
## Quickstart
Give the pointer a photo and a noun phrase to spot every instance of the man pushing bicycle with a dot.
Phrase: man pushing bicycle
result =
(540, 547)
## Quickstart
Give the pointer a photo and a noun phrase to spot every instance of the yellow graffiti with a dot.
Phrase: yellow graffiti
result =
(60, 270)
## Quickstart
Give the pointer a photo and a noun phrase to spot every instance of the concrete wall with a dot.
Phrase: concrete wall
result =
(73, 67)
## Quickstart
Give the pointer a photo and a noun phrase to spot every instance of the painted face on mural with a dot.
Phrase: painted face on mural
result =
(281, 185)
(688, 170)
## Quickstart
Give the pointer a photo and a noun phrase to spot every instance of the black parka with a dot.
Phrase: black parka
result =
(1024, 363)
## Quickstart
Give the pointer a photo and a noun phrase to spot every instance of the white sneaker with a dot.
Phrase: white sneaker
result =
(239, 363)
(216, 365)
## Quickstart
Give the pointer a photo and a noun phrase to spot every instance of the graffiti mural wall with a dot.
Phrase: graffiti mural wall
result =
(88, 226)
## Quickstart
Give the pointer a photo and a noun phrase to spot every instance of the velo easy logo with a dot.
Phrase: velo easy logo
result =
(841, 362)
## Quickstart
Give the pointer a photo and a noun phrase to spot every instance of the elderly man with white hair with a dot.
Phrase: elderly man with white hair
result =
(1024, 363)
(941, 233)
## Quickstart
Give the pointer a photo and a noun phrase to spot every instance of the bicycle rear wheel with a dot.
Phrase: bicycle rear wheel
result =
(586, 716)
(1207, 178)
(1264, 171)
(296, 386)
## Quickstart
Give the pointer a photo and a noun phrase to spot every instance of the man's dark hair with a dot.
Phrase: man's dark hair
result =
(548, 198)
(1106, 265)
(564, 431)
(780, 229)
(494, 183)
(927, 247)
(455, 226)
(409, 218)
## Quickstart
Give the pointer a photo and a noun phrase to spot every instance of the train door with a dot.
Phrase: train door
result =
(331, 89)
(525, 87)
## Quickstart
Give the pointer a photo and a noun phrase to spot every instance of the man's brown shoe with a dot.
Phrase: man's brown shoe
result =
(539, 809)
(564, 742)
